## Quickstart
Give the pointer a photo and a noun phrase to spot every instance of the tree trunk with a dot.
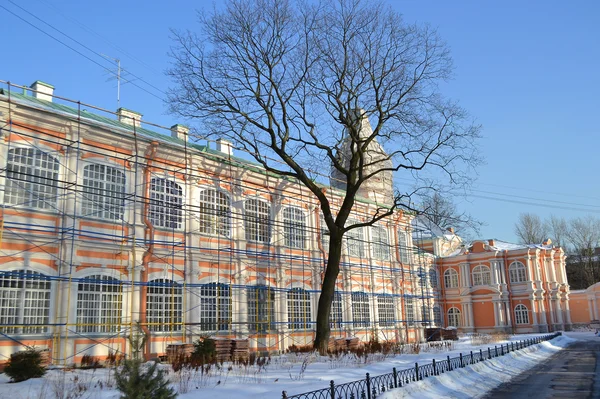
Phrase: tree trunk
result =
(327, 291)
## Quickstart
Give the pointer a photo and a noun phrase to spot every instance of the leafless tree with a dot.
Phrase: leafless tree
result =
(584, 235)
(442, 211)
(558, 231)
(530, 229)
(284, 82)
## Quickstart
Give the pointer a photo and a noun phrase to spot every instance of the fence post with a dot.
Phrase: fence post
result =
(417, 371)
(472, 360)
(449, 364)
(368, 386)
(513, 346)
(434, 368)
(481, 354)
(332, 389)
(461, 360)
(502, 350)
(283, 395)
(496, 348)
(395, 372)
(489, 353)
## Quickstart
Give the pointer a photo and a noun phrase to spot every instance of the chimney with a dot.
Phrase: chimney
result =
(492, 242)
(224, 146)
(129, 117)
(42, 91)
(180, 132)
(450, 230)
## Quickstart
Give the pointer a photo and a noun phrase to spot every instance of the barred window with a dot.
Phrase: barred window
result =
(403, 246)
(453, 317)
(433, 278)
(521, 314)
(355, 241)
(381, 246)
(422, 278)
(361, 314)
(261, 309)
(410, 311)
(336, 316)
(481, 275)
(294, 227)
(385, 310)
(24, 302)
(258, 220)
(99, 305)
(166, 203)
(164, 301)
(103, 192)
(324, 231)
(215, 213)
(31, 179)
(451, 278)
(215, 307)
(299, 316)
(517, 272)
(425, 314)
(437, 315)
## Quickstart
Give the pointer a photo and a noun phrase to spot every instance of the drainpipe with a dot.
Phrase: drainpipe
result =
(149, 237)
(508, 289)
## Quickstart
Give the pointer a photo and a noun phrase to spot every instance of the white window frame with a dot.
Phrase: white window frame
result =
(164, 305)
(423, 278)
(521, 314)
(294, 227)
(517, 272)
(409, 309)
(380, 243)
(37, 165)
(433, 277)
(481, 275)
(361, 310)
(24, 302)
(103, 192)
(386, 310)
(299, 309)
(324, 232)
(99, 304)
(215, 212)
(214, 307)
(437, 315)
(336, 315)
(261, 309)
(451, 278)
(166, 203)
(257, 220)
(403, 247)
(454, 317)
(355, 241)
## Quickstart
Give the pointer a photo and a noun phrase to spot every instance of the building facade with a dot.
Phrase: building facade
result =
(107, 222)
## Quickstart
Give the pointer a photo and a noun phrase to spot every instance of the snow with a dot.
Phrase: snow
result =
(297, 373)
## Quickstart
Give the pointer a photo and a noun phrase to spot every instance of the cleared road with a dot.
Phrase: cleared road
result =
(570, 373)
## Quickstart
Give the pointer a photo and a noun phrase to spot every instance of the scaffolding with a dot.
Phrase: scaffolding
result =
(108, 221)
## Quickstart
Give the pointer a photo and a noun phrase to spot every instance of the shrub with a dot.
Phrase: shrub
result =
(205, 351)
(138, 382)
(90, 362)
(25, 365)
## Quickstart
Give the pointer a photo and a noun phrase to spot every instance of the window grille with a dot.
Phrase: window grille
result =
(103, 192)
(355, 241)
(24, 302)
(361, 315)
(451, 278)
(164, 301)
(385, 310)
(437, 316)
(215, 307)
(261, 309)
(433, 278)
(258, 220)
(294, 227)
(517, 272)
(166, 203)
(521, 314)
(298, 302)
(31, 179)
(403, 246)
(215, 213)
(454, 317)
(481, 275)
(410, 311)
(381, 247)
(99, 305)
(336, 315)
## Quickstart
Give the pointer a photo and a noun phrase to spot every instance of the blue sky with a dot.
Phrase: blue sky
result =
(527, 71)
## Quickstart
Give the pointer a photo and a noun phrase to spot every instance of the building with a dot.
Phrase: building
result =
(107, 222)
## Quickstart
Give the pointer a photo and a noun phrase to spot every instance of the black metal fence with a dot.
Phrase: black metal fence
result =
(370, 387)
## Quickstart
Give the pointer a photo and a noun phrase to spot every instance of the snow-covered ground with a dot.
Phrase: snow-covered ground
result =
(304, 372)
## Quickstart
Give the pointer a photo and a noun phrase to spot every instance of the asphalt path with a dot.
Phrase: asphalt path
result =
(570, 373)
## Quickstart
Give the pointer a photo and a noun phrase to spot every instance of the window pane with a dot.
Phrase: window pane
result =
(166, 203)
(103, 192)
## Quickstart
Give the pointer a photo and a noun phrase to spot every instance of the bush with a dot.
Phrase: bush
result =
(25, 365)
(205, 351)
(138, 382)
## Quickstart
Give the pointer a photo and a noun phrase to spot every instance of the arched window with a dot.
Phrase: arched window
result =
(521, 314)
(361, 315)
(164, 305)
(410, 310)
(99, 304)
(433, 279)
(355, 241)
(214, 307)
(437, 316)
(24, 302)
(453, 317)
(294, 227)
(386, 310)
(381, 244)
(215, 213)
(261, 309)
(336, 316)
(481, 275)
(403, 246)
(517, 272)
(166, 203)
(258, 220)
(103, 192)
(451, 278)
(299, 315)
(422, 278)
(31, 179)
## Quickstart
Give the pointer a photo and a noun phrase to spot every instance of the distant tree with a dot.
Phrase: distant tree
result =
(292, 82)
(530, 229)
(558, 231)
(583, 268)
(442, 211)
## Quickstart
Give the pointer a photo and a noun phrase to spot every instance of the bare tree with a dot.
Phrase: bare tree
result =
(292, 84)
(584, 234)
(530, 229)
(442, 211)
(558, 230)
